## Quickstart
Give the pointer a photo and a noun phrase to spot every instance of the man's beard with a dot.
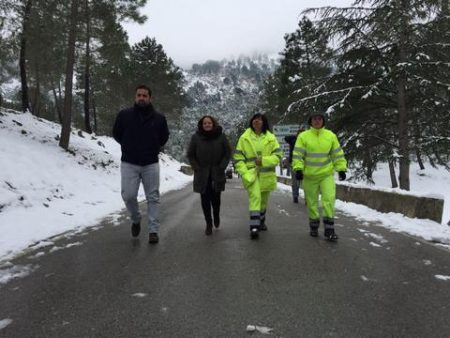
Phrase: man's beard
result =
(142, 103)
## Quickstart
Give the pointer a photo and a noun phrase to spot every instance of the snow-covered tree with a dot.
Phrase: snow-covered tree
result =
(304, 65)
(7, 67)
(385, 72)
(35, 34)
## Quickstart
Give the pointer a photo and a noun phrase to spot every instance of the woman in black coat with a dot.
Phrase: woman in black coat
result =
(209, 153)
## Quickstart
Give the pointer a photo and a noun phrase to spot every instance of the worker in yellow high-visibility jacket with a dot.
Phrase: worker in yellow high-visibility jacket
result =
(256, 156)
(316, 156)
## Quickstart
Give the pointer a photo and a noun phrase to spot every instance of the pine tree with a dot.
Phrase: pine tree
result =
(98, 16)
(7, 67)
(110, 72)
(27, 7)
(44, 42)
(304, 65)
(45, 60)
(70, 61)
(150, 65)
(375, 84)
(432, 77)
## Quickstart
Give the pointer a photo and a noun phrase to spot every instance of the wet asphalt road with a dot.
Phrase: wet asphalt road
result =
(372, 283)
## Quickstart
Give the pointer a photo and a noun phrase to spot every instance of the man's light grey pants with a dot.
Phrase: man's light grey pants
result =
(132, 175)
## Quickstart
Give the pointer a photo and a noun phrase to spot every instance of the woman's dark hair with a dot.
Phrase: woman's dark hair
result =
(200, 122)
(263, 117)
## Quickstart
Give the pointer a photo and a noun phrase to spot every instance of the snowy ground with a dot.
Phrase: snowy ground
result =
(46, 191)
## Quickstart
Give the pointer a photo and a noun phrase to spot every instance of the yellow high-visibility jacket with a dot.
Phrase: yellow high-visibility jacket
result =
(251, 145)
(317, 153)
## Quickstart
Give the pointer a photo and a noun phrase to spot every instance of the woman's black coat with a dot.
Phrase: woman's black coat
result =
(209, 154)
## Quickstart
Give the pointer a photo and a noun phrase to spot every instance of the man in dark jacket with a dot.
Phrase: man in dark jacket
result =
(295, 184)
(141, 132)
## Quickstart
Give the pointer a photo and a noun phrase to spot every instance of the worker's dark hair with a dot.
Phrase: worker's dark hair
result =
(264, 119)
(317, 114)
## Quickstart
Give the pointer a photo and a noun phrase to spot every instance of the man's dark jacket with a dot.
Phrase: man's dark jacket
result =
(209, 154)
(290, 140)
(141, 132)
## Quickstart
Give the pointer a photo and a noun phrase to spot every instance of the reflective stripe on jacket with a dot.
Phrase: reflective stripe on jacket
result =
(250, 146)
(317, 153)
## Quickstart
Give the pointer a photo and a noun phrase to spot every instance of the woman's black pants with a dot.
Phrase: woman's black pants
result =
(211, 198)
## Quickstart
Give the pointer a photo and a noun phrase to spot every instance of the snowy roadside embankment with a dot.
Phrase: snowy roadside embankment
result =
(428, 183)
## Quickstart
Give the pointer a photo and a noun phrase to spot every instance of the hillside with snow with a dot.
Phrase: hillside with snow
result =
(229, 90)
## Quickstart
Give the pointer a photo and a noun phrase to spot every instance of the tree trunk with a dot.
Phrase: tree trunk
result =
(57, 104)
(394, 183)
(369, 174)
(22, 56)
(94, 112)
(419, 159)
(368, 166)
(36, 103)
(35, 100)
(417, 142)
(403, 135)
(87, 122)
(67, 117)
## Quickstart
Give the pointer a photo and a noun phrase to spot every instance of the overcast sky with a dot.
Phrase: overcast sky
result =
(194, 31)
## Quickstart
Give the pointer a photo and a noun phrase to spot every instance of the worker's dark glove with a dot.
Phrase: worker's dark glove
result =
(299, 175)
(342, 175)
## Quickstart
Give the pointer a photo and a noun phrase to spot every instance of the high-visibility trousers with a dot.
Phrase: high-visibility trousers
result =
(326, 188)
(257, 204)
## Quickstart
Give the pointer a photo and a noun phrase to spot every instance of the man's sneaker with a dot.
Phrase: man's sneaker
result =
(295, 199)
(153, 238)
(330, 235)
(135, 229)
(254, 233)
(313, 232)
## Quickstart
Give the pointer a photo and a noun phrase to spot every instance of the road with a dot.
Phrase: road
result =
(372, 283)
